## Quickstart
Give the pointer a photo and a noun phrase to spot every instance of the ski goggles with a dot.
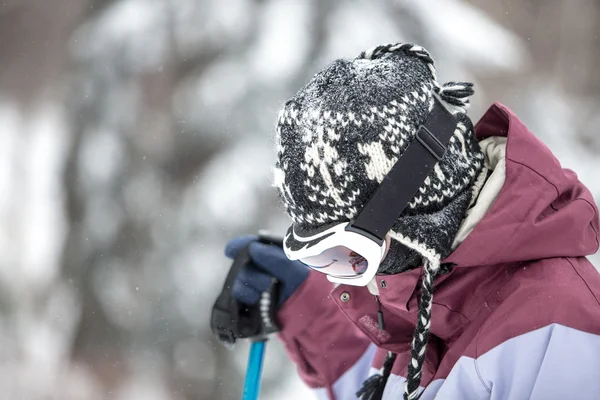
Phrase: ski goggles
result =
(351, 252)
(344, 255)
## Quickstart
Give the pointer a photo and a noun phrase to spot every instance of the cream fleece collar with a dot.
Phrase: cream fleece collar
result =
(485, 190)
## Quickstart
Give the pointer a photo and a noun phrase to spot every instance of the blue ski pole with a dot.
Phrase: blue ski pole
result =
(254, 370)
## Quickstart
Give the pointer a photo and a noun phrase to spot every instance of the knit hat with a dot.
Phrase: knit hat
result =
(340, 135)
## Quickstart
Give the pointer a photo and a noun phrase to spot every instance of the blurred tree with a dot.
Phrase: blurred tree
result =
(33, 44)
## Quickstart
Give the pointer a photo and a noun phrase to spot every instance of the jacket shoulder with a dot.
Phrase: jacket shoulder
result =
(563, 291)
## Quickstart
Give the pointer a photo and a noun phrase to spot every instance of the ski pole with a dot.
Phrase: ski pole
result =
(254, 370)
(231, 320)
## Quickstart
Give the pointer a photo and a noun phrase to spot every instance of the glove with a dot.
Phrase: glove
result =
(268, 261)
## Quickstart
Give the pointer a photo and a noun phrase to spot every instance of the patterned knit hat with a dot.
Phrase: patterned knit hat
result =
(341, 134)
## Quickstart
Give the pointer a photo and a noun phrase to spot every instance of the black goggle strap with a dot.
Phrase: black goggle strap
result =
(405, 178)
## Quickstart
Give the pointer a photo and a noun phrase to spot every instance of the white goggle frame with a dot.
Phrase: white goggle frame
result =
(336, 236)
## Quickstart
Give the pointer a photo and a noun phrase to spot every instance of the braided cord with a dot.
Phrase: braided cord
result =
(421, 335)
(454, 93)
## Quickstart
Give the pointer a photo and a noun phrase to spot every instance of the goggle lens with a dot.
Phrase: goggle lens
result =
(338, 261)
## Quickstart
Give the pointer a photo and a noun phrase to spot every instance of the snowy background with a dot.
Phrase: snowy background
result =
(136, 138)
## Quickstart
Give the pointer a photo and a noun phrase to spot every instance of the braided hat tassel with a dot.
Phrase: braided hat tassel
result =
(421, 335)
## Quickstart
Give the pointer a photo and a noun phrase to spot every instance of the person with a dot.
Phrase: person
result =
(471, 243)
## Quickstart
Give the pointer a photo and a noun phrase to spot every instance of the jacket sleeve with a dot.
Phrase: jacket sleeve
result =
(332, 356)
(552, 362)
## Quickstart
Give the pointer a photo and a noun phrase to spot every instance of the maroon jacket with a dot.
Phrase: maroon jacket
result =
(517, 318)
